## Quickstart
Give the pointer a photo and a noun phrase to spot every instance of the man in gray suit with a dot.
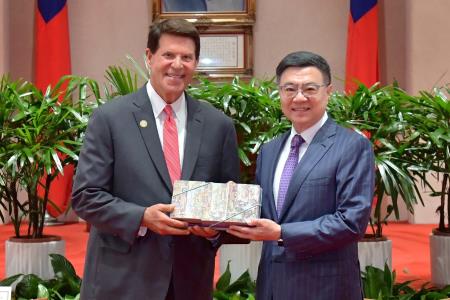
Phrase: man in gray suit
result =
(317, 182)
(135, 147)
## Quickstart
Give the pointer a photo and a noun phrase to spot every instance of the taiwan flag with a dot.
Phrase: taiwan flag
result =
(362, 44)
(52, 61)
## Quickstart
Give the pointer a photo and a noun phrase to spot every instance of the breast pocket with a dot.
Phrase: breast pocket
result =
(320, 189)
(317, 181)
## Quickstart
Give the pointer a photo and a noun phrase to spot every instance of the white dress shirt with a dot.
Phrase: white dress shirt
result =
(308, 136)
(179, 108)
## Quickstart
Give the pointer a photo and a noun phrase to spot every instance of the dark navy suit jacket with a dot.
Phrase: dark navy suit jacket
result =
(326, 211)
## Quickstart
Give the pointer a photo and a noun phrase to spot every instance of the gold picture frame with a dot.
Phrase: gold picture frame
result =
(206, 12)
(226, 52)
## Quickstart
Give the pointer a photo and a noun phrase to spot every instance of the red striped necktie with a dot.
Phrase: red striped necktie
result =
(170, 145)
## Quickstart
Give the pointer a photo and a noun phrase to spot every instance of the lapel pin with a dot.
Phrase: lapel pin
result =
(143, 123)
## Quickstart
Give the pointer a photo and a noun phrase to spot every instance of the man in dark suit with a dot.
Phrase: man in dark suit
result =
(317, 182)
(135, 147)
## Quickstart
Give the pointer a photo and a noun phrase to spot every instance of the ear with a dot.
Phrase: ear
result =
(148, 55)
(329, 89)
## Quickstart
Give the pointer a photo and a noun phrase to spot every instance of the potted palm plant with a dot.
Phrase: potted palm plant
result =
(432, 118)
(379, 114)
(40, 134)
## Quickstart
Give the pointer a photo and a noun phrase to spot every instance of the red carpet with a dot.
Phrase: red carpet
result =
(411, 254)
(410, 251)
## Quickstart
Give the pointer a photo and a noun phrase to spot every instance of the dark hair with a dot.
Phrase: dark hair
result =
(178, 27)
(303, 59)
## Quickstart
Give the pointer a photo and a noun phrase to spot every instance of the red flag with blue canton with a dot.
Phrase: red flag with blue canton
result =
(52, 60)
(362, 44)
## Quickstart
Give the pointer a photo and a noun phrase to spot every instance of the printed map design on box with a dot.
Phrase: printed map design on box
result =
(215, 204)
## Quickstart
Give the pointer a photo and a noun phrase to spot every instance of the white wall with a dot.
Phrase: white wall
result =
(282, 27)
(428, 38)
(415, 43)
(426, 214)
(104, 31)
(20, 39)
(4, 30)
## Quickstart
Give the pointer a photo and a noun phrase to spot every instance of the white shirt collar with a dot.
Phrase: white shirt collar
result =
(308, 134)
(158, 103)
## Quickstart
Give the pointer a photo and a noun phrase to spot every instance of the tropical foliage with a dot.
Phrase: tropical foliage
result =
(65, 285)
(380, 113)
(410, 135)
(242, 288)
(430, 114)
(255, 110)
(380, 285)
(41, 133)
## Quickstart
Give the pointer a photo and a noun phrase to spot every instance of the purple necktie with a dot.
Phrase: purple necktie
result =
(288, 170)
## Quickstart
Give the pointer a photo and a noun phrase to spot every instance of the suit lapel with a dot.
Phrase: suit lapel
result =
(320, 145)
(276, 151)
(194, 127)
(145, 121)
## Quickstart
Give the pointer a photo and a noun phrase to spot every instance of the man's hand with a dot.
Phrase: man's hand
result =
(261, 230)
(156, 219)
(203, 231)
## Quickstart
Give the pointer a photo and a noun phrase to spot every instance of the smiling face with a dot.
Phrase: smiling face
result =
(172, 66)
(301, 111)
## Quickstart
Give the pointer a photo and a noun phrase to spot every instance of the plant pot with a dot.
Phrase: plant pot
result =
(241, 257)
(440, 258)
(374, 252)
(31, 256)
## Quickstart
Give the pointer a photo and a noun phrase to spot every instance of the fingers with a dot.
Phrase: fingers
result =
(167, 208)
(260, 230)
(156, 219)
(169, 226)
(254, 222)
(167, 230)
(241, 232)
(203, 231)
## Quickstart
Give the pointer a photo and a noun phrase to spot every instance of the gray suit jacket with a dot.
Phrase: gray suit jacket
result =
(121, 171)
(326, 210)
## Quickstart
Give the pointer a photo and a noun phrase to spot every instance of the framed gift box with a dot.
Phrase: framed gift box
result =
(215, 205)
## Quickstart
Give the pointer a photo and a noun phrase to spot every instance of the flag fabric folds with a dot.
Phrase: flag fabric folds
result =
(52, 60)
(362, 44)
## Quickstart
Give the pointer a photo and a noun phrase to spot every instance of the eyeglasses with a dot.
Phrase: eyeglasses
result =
(307, 90)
